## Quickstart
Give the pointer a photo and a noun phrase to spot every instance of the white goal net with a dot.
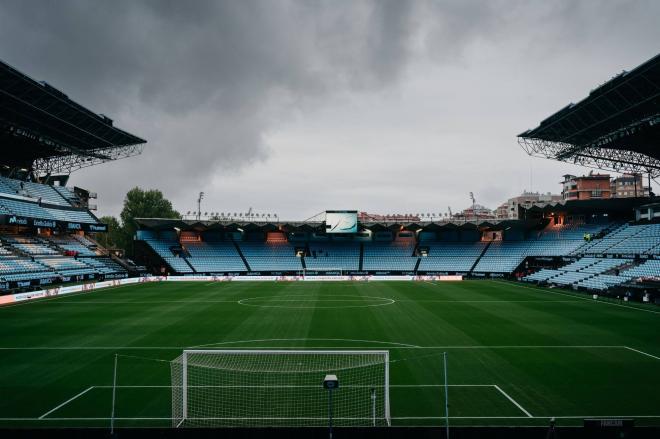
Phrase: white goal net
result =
(255, 388)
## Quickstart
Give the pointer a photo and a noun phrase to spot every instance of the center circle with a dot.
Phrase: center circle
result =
(318, 302)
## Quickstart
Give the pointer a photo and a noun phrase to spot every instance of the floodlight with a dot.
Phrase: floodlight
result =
(330, 382)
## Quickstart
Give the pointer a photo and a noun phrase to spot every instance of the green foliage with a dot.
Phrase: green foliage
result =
(138, 203)
(114, 237)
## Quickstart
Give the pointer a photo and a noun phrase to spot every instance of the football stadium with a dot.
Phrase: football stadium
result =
(374, 325)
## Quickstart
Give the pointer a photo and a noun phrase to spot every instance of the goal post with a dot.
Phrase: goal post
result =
(270, 388)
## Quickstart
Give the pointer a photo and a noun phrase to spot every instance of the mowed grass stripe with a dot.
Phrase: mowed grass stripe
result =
(554, 357)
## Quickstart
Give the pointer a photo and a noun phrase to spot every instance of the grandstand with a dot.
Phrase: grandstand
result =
(47, 227)
(547, 251)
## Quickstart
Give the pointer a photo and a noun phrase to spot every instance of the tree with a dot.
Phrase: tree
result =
(140, 203)
(114, 237)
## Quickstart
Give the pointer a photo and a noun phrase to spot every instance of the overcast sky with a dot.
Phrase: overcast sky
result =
(298, 107)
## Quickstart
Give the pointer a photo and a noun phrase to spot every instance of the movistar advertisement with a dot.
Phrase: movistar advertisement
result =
(341, 221)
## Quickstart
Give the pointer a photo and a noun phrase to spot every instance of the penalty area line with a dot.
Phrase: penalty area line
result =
(522, 409)
(642, 352)
(66, 402)
(541, 290)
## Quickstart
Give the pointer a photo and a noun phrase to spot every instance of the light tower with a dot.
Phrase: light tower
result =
(199, 206)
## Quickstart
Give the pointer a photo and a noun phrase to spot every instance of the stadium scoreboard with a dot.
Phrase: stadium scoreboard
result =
(341, 221)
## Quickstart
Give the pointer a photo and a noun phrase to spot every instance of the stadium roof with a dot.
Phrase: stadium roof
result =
(41, 129)
(319, 226)
(616, 127)
(616, 208)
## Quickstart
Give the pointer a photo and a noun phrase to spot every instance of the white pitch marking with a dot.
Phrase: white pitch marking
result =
(297, 298)
(397, 346)
(393, 417)
(220, 343)
(529, 415)
(143, 302)
(541, 291)
(642, 352)
(153, 386)
(66, 402)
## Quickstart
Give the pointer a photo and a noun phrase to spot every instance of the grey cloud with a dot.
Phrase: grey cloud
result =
(227, 69)
(208, 82)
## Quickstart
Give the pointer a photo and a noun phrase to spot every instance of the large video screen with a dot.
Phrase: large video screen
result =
(341, 221)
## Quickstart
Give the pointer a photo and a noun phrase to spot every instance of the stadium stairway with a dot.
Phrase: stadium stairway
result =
(185, 259)
(124, 264)
(483, 252)
(361, 256)
(240, 253)
(92, 244)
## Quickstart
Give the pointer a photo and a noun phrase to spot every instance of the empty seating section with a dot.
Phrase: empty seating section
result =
(635, 245)
(602, 282)
(79, 249)
(30, 246)
(570, 277)
(570, 231)
(214, 257)
(33, 210)
(271, 256)
(48, 194)
(451, 256)
(503, 257)
(333, 256)
(41, 258)
(580, 264)
(104, 265)
(386, 256)
(504, 264)
(506, 256)
(164, 250)
(16, 270)
(277, 254)
(85, 241)
(626, 240)
(30, 200)
(10, 266)
(603, 265)
(67, 194)
(178, 264)
(543, 275)
(64, 264)
(650, 268)
(587, 272)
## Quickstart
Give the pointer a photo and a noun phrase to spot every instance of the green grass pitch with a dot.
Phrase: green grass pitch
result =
(517, 354)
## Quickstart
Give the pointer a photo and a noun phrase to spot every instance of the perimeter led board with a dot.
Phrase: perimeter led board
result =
(341, 221)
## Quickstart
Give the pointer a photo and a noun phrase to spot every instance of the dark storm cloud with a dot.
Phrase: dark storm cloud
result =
(226, 69)
(207, 83)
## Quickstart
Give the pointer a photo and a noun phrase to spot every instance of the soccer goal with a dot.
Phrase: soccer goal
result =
(257, 388)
